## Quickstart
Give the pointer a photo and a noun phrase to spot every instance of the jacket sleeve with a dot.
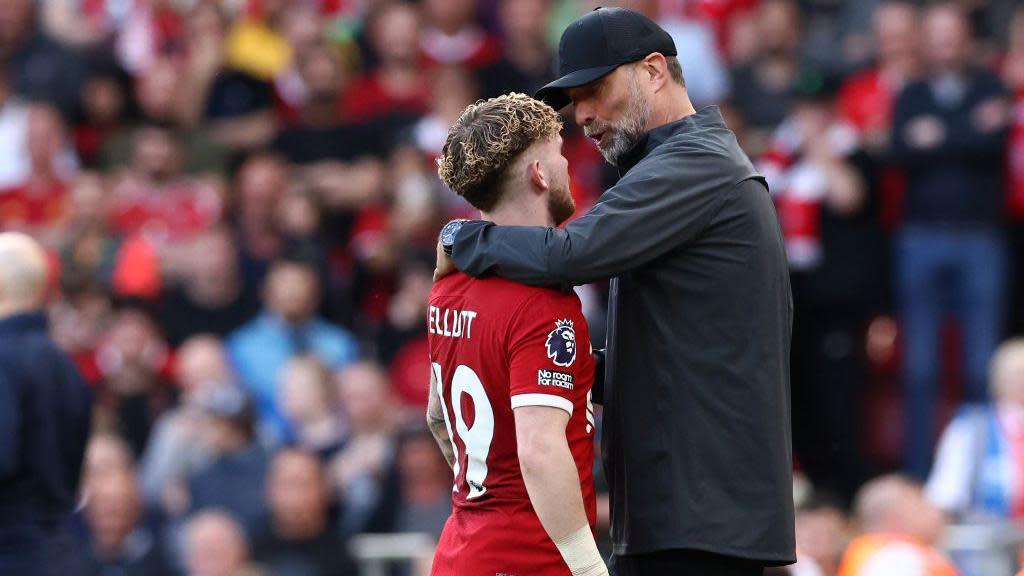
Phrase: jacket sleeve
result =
(653, 209)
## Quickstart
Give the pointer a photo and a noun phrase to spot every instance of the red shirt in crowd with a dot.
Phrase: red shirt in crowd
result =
(494, 346)
(29, 206)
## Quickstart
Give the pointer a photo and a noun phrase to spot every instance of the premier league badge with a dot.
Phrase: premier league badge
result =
(561, 343)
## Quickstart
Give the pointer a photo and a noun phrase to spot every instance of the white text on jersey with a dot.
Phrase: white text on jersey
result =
(450, 322)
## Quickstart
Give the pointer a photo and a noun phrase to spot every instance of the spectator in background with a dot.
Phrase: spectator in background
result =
(707, 77)
(260, 184)
(210, 296)
(1013, 76)
(454, 37)
(176, 448)
(44, 419)
(133, 361)
(358, 471)
(527, 63)
(301, 537)
(159, 93)
(39, 67)
(307, 400)
(106, 454)
(425, 485)
(287, 327)
(13, 128)
(762, 89)
(835, 249)
(822, 533)
(88, 248)
(120, 539)
(339, 161)
(396, 87)
(215, 545)
(155, 198)
(979, 466)
(38, 204)
(866, 98)
(949, 134)
(901, 529)
(103, 112)
(234, 478)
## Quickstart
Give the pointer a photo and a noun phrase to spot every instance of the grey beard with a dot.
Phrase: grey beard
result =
(630, 130)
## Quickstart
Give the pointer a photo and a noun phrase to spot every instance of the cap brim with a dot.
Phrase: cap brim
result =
(554, 95)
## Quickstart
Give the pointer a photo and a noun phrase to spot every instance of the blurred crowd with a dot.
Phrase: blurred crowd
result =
(241, 199)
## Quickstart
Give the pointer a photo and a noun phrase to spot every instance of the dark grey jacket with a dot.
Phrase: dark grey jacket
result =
(697, 416)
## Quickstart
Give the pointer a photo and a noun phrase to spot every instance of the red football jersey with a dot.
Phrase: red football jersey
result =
(494, 346)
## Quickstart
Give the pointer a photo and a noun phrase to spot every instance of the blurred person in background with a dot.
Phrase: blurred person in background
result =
(338, 160)
(949, 134)
(38, 205)
(13, 130)
(159, 92)
(707, 73)
(44, 419)
(762, 89)
(301, 536)
(210, 295)
(307, 400)
(155, 198)
(979, 466)
(119, 537)
(822, 533)
(106, 454)
(234, 478)
(454, 36)
(40, 68)
(834, 247)
(1013, 75)
(134, 363)
(396, 87)
(176, 448)
(424, 485)
(900, 532)
(259, 186)
(215, 545)
(103, 114)
(358, 471)
(527, 61)
(287, 327)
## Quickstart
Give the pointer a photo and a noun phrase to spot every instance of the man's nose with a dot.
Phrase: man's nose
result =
(584, 113)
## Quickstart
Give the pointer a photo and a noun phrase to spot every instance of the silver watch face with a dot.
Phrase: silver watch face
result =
(448, 233)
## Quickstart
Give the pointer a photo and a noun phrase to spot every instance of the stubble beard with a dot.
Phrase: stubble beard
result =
(624, 135)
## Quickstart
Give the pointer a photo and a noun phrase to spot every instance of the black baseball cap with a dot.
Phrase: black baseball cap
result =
(599, 42)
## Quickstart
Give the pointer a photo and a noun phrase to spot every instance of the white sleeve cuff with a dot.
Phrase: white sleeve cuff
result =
(520, 400)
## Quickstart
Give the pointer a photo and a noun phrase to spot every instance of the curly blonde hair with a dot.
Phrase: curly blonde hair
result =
(486, 138)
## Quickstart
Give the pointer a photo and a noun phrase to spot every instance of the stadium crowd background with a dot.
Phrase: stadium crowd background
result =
(241, 200)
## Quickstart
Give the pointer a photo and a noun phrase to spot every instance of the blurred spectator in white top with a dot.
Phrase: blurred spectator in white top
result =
(307, 399)
(979, 465)
(176, 448)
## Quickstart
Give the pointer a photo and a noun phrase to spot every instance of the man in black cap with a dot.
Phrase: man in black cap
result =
(697, 418)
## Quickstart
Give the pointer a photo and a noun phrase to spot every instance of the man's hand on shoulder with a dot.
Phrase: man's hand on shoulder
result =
(445, 242)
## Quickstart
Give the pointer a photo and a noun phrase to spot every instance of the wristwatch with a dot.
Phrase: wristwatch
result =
(448, 234)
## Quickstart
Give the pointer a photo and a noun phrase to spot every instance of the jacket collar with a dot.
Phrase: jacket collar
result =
(34, 321)
(707, 116)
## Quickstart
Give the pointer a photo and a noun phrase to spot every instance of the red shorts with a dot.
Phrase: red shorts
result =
(496, 542)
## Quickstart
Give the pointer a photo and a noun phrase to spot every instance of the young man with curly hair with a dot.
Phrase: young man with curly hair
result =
(510, 387)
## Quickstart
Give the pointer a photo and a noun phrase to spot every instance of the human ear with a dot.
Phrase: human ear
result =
(536, 176)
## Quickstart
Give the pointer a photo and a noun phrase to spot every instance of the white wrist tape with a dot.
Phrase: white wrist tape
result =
(579, 550)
